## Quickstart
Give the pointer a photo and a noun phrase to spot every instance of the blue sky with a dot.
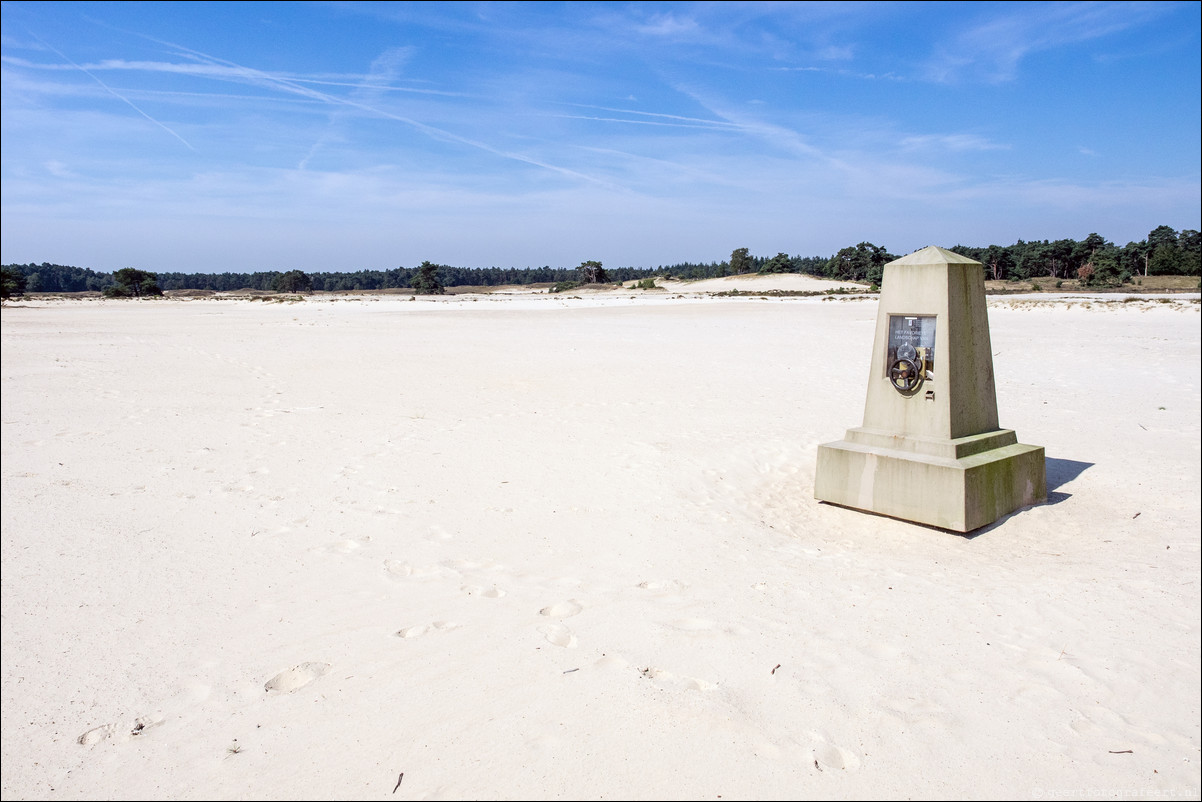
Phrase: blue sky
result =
(206, 137)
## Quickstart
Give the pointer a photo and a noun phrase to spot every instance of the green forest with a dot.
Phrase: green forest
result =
(1093, 261)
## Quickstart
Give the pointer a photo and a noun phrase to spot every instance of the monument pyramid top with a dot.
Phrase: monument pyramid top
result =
(934, 255)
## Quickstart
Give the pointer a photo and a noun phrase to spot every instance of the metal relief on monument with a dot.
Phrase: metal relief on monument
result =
(910, 358)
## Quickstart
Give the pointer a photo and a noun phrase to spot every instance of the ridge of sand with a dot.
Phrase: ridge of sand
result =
(755, 282)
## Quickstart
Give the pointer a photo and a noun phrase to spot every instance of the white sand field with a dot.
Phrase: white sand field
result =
(549, 547)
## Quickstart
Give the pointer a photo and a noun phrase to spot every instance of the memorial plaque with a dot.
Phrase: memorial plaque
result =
(912, 338)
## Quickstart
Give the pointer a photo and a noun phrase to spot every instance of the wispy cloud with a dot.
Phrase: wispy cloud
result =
(255, 77)
(381, 75)
(222, 72)
(993, 48)
(58, 169)
(843, 72)
(774, 134)
(949, 142)
(669, 25)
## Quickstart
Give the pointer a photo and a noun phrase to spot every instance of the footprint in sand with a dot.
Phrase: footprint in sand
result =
(564, 609)
(558, 635)
(828, 756)
(488, 593)
(437, 533)
(694, 625)
(668, 678)
(347, 546)
(398, 568)
(704, 626)
(918, 713)
(421, 629)
(612, 662)
(296, 677)
(97, 734)
(668, 585)
(133, 730)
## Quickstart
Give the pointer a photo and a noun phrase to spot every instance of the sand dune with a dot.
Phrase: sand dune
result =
(553, 547)
(755, 282)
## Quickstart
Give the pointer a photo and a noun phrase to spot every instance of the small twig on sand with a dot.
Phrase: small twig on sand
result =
(400, 777)
(774, 669)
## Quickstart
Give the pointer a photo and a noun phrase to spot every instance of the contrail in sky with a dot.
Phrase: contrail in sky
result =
(260, 78)
(110, 90)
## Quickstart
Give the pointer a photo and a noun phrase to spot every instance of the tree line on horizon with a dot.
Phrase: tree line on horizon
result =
(1094, 261)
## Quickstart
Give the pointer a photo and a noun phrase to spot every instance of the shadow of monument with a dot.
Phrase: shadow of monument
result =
(1059, 473)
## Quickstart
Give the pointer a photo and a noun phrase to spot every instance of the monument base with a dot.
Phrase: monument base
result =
(960, 485)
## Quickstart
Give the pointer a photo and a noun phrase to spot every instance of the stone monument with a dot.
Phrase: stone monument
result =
(930, 449)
